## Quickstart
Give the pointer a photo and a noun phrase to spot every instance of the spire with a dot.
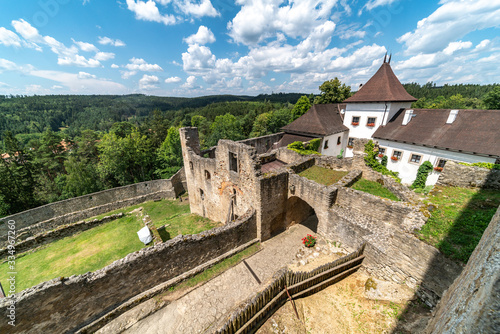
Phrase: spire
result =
(385, 57)
(389, 62)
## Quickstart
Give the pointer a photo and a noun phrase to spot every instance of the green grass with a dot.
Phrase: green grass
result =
(457, 224)
(96, 248)
(374, 188)
(216, 269)
(323, 175)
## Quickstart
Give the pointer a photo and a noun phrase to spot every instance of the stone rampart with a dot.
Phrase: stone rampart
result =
(457, 175)
(50, 216)
(64, 305)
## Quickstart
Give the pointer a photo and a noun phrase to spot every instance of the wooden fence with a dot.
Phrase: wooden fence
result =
(299, 284)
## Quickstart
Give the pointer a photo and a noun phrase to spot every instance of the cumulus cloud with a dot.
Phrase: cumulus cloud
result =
(114, 66)
(85, 75)
(87, 47)
(173, 80)
(455, 46)
(103, 56)
(203, 36)
(190, 83)
(148, 82)
(148, 11)
(448, 23)
(204, 8)
(198, 59)
(110, 41)
(9, 38)
(139, 64)
(259, 20)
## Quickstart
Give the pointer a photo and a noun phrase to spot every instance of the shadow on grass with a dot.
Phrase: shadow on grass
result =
(164, 235)
(466, 220)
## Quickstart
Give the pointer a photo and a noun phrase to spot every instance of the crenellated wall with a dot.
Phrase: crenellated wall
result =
(65, 304)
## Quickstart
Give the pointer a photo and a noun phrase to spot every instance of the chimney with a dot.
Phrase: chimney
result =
(452, 117)
(408, 116)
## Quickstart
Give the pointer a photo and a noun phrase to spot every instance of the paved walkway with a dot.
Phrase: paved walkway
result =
(207, 306)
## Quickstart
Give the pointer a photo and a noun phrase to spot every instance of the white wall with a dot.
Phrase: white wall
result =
(408, 171)
(334, 149)
(381, 111)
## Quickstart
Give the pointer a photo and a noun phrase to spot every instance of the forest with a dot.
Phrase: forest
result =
(62, 146)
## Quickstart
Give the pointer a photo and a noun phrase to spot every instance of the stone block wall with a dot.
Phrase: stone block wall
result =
(457, 175)
(271, 204)
(264, 143)
(50, 216)
(64, 305)
(472, 303)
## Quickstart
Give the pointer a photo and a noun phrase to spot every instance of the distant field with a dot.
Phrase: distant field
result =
(323, 175)
(459, 219)
(96, 248)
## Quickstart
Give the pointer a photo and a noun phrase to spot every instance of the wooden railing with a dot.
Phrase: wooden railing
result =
(295, 284)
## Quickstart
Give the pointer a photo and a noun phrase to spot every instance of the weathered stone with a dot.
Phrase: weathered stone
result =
(457, 175)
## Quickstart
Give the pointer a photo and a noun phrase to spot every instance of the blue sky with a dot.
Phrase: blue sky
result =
(205, 47)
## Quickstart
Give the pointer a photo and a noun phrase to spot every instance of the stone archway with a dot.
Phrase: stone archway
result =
(299, 211)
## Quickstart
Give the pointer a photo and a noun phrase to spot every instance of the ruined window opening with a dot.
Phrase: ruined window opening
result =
(202, 194)
(207, 175)
(191, 165)
(234, 196)
(326, 144)
(338, 140)
(233, 162)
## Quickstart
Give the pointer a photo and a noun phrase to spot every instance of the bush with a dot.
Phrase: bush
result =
(298, 147)
(309, 241)
(384, 161)
(372, 162)
(314, 144)
(422, 174)
(487, 165)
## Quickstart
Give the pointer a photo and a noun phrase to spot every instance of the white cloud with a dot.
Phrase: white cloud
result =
(261, 19)
(204, 8)
(455, 46)
(173, 80)
(9, 38)
(198, 58)
(87, 47)
(139, 64)
(483, 45)
(85, 75)
(203, 36)
(148, 11)
(8, 65)
(452, 20)
(148, 82)
(26, 30)
(190, 83)
(128, 74)
(77, 60)
(57, 87)
(377, 3)
(103, 56)
(109, 41)
(114, 66)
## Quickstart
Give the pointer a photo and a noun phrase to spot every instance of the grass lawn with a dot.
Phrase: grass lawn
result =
(323, 175)
(374, 188)
(457, 224)
(96, 248)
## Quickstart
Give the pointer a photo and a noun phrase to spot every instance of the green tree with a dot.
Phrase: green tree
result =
(332, 91)
(422, 174)
(169, 155)
(301, 107)
(224, 127)
(492, 99)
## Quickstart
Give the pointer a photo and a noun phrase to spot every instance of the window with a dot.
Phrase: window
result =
(233, 162)
(202, 195)
(441, 163)
(350, 143)
(326, 144)
(355, 120)
(207, 175)
(338, 140)
(371, 121)
(381, 151)
(396, 155)
(415, 158)
(191, 165)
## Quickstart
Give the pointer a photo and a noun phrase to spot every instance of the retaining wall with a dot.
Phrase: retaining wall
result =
(457, 175)
(50, 216)
(65, 305)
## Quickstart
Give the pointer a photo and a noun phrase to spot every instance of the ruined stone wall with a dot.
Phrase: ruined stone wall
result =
(64, 305)
(472, 303)
(271, 203)
(457, 175)
(263, 144)
(50, 216)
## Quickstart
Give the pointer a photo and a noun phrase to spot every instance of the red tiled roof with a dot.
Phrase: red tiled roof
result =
(383, 86)
(473, 131)
(320, 120)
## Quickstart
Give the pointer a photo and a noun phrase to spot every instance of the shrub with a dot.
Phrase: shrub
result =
(383, 162)
(309, 241)
(314, 144)
(298, 147)
(422, 173)
(487, 165)
(372, 162)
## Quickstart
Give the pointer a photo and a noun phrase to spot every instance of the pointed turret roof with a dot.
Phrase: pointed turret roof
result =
(321, 119)
(384, 86)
